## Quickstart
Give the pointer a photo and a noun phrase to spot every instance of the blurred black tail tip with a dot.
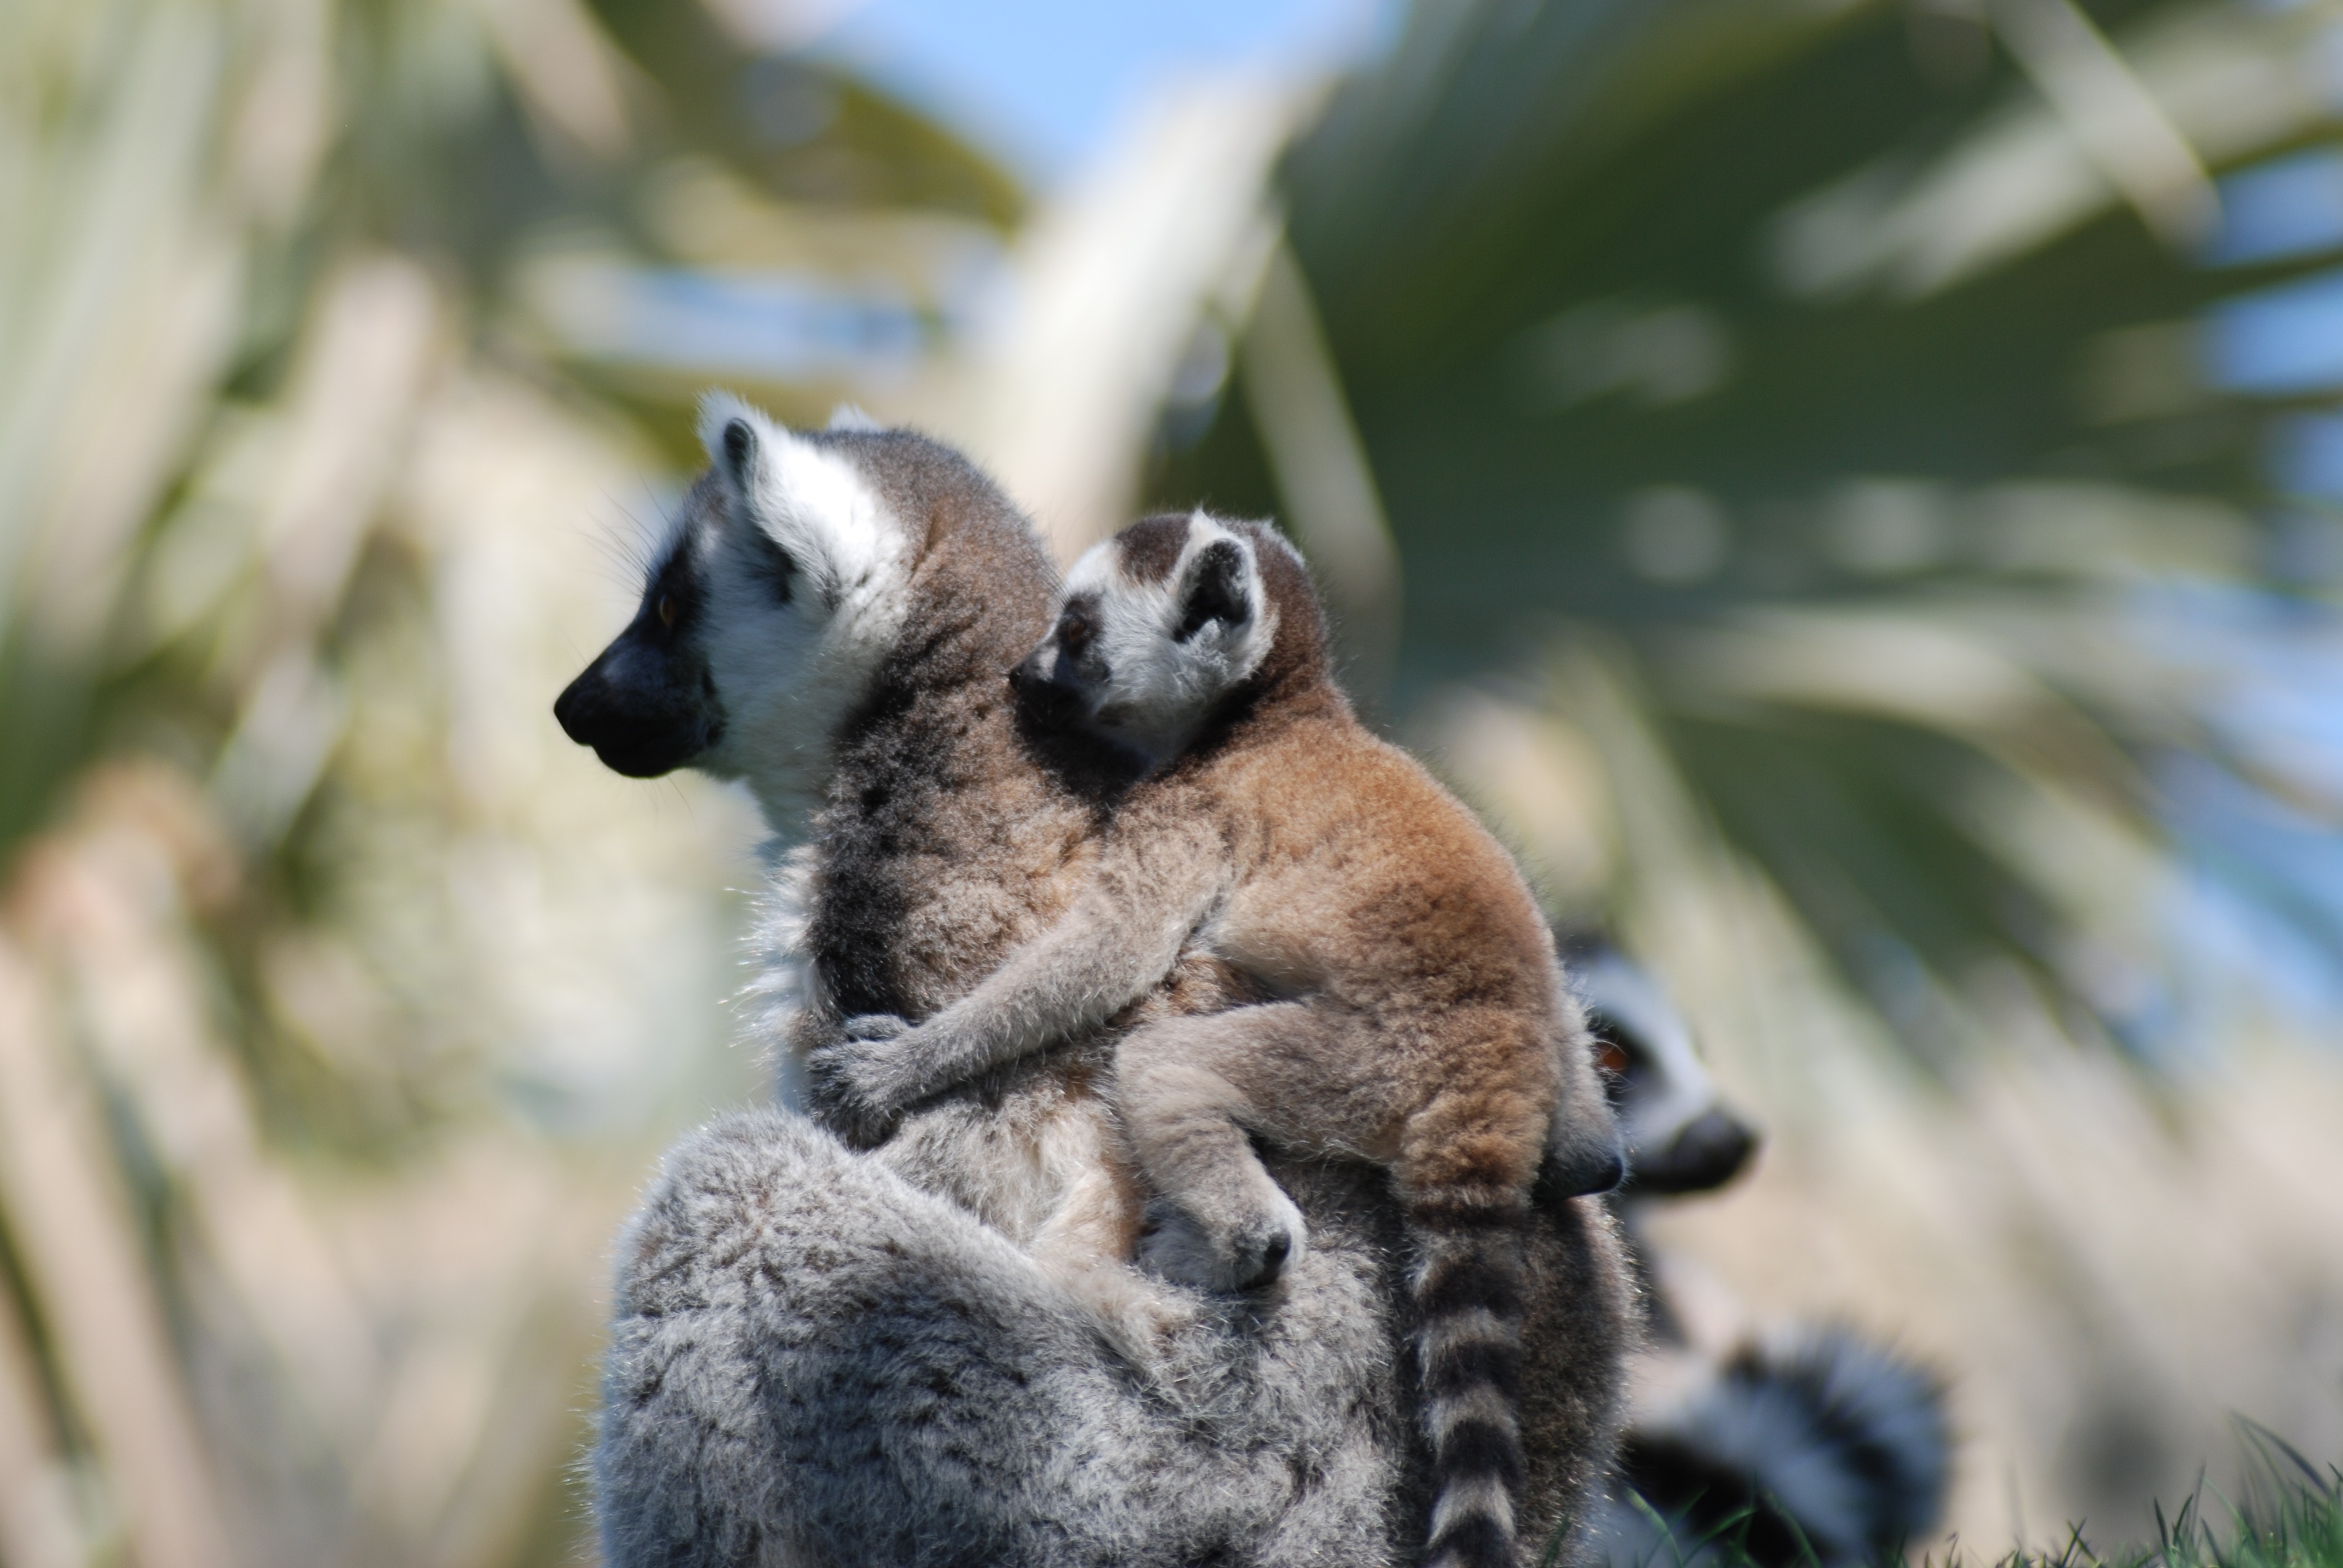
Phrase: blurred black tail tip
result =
(1832, 1449)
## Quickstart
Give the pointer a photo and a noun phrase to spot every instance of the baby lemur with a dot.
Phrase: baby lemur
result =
(1410, 1010)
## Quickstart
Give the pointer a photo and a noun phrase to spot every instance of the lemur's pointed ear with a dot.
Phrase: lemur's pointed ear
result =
(1218, 579)
(740, 447)
(734, 435)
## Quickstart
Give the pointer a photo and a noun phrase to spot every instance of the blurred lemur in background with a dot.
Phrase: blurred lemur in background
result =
(1818, 1441)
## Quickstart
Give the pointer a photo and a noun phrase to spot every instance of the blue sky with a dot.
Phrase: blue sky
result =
(1042, 82)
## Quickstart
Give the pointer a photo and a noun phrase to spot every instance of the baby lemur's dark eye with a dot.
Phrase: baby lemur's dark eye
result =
(667, 610)
(1075, 631)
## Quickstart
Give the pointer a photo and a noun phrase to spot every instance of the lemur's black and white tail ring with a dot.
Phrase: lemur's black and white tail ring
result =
(1468, 1304)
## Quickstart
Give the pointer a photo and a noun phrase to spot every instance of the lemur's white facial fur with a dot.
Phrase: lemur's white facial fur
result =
(1680, 1135)
(1154, 626)
(780, 585)
(808, 582)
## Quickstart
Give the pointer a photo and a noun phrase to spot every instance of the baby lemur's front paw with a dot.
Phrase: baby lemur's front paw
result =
(855, 1084)
(872, 1026)
(1244, 1252)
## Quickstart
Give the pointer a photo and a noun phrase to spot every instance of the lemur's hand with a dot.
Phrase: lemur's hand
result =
(858, 1083)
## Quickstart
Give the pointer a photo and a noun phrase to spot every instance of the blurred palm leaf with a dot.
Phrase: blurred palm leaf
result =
(341, 1000)
(1838, 377)
(802, 132)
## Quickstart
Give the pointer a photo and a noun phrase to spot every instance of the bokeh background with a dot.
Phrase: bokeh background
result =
(1855, 490)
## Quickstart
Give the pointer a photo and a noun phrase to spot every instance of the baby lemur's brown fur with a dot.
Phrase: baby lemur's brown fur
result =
(1412, 1010)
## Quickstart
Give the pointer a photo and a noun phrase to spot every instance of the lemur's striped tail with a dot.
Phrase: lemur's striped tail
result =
(1824, 1449)
(1470, 1264)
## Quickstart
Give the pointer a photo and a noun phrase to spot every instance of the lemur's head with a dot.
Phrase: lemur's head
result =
(782, 584)
(1680, 1136)
(1156, 626)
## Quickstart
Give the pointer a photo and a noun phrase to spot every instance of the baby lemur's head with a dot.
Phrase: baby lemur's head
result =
(1161, 626)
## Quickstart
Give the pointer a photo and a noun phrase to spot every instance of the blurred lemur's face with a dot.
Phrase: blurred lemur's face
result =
(1680, 1136)
(1155, 627)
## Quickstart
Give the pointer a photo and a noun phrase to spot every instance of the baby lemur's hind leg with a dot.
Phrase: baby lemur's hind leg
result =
(1086, 1244)
(1188, 1088)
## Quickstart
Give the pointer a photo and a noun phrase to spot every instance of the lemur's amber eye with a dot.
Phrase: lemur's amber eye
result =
(1074, 633)
(1611, 1058)
(667, 610)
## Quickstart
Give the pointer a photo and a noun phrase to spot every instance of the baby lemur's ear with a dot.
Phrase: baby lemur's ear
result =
(1219, 581)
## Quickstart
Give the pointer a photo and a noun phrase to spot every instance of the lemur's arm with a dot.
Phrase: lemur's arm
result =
(1120, 940)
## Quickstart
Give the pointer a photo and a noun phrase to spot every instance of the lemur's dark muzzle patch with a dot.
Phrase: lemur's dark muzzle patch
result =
(644, 710)
(1048, 698)
(1708, 1151)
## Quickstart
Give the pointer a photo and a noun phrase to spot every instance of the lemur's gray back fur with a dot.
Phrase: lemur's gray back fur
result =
(815, 1359)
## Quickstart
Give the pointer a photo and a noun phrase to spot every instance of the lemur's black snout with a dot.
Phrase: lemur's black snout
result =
(645, 711)
(1706, 1154)
(1035, 679)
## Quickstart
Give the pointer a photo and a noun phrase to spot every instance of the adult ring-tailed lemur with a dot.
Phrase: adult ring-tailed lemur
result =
(1816, 1442)
(826, 1357)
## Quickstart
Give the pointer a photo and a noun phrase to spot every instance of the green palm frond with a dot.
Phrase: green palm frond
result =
(336, 1004)
(1846, 374)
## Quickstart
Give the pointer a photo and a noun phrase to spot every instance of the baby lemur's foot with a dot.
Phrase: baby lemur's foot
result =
(1138, 1316)
(1244, 1253)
